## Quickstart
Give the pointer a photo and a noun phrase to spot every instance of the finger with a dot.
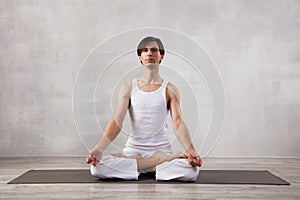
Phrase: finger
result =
(196, 156)
(192, 156)
(199, 163)
(95, 162)
(196, 161)
(89, 161)
(90, 158)
(190, 159)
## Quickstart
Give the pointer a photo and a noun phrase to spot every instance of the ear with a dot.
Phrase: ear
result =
(140, 59)
(161, 57)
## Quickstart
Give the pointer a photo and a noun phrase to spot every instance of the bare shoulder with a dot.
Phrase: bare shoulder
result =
(126, 85)
(125, 89)
(172, 91)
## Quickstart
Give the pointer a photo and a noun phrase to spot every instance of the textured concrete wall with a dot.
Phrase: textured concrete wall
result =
(254, 44)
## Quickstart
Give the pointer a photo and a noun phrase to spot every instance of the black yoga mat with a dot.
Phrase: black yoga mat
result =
(205, 177)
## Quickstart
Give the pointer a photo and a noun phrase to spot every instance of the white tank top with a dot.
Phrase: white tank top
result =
(148, 112)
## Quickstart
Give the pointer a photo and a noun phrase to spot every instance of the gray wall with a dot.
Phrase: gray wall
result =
(254, 44)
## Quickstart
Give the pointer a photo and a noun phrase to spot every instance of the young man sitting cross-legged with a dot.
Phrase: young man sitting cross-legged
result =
(149, 99)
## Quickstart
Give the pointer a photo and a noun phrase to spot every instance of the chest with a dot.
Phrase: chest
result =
(148, 87)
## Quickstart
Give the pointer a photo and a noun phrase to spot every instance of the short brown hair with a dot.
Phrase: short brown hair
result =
(148, 39)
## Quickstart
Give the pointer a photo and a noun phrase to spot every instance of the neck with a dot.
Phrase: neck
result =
(150, 75)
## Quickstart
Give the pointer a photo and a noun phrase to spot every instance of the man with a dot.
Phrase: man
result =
(149, 99)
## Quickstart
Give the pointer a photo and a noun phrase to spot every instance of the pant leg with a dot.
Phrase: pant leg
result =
(178, 169)
(115, 167)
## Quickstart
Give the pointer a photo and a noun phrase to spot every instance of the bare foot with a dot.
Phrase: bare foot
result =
(136, 156)
(173, 156)
(162, 157)
(120, 155)
(181, 155)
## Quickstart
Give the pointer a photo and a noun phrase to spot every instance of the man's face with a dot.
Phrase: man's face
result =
(150, 54)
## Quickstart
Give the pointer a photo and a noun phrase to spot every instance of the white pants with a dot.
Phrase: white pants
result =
(126, 168)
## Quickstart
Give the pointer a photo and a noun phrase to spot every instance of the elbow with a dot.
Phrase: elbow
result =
(177, 124)
(117, 122)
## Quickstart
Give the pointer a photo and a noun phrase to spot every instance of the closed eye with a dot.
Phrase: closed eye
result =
(154, 49)
(151, 49)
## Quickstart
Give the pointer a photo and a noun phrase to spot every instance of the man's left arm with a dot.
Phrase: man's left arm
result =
(180, 128)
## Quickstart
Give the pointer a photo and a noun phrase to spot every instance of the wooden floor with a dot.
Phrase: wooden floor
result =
(288, 169)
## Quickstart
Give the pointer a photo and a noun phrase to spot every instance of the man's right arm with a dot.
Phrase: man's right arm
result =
(114, 126)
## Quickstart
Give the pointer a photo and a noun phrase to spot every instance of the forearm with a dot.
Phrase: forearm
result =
(110, 133)
(183, 136)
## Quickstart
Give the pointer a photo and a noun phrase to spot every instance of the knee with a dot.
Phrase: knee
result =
(101, 170)
(178, 169)
(98, 171)
(190, 174)
(94, 170)
(115, 167)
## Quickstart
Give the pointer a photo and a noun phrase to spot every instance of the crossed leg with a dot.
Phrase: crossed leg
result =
(166, 166)
(149, 164)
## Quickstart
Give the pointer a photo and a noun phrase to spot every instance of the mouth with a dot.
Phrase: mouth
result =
(150, 60)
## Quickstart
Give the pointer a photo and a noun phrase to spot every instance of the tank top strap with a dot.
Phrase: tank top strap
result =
(134, 86)
(164, 84)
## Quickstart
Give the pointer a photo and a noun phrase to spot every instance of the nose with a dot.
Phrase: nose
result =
(149, 52)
